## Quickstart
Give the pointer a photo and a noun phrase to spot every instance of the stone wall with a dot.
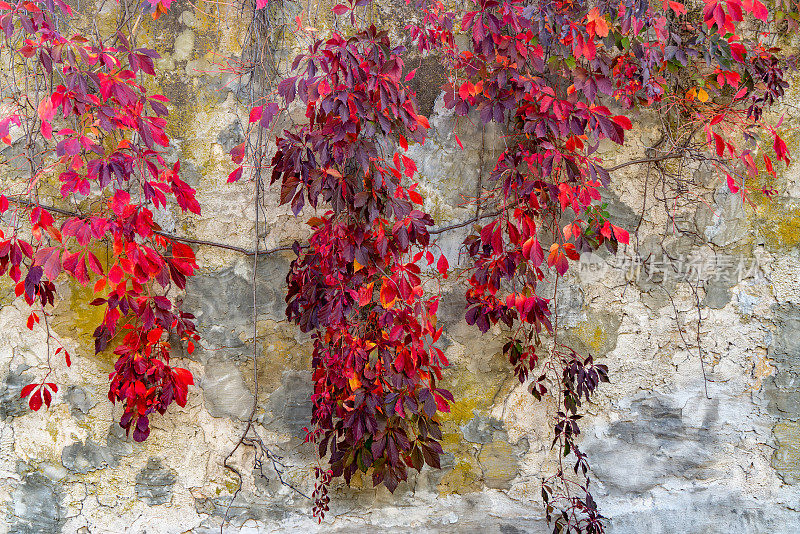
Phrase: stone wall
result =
(671, 451)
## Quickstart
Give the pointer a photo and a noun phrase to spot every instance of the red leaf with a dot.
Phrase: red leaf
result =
(270, 111)
(781, 152)
(459, 142)
(526, 247)
(621, 234)
(442, 265)
(235, 175)
(27, 390)
(720, 144)
(551, 257)
(153, 336)
(340, 9)
(115, 274)
(100, 285)
(403, 142)
(365, 294)
(47, 397)
(255, 113)
(183, 252)
(572, 254)
(534, 251)
(183, 376)
(237, 153)
(605, 231)
(677, 7)
(409, 165)
(35, 401)
(768, 165)
(3, 204)
(561, 264)
(50, 260)
(760, 11)
(623, 121)
(732, 184)
(556, 259)
(46, 110)
(94, 263)
(410, 75)
(465, 90)
(441, 403)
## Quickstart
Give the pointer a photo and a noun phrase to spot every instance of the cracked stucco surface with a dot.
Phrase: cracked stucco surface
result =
(666, 457)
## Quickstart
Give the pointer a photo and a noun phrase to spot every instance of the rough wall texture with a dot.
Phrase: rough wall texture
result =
(667, 457)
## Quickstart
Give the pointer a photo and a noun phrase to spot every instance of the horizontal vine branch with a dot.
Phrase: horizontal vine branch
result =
(21, 201)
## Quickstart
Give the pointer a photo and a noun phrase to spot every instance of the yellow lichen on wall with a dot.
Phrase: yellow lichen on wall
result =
(778, 222)
(475, 392)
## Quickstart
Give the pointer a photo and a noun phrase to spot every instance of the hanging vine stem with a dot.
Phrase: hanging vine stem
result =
(249, 423)
(259, 26)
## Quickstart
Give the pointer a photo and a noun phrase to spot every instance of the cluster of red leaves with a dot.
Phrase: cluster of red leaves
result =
(144, 381)
(106, 136)
(551, 71)
(359, 284)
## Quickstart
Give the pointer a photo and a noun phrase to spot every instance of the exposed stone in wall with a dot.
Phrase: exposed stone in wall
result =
(154, 482)
(80, 401)
(83, 457)
(36, 506)
(11, 405)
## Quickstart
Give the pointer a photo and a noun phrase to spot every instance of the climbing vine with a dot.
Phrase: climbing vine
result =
(558, 77)
(78, 117)
(551, 73)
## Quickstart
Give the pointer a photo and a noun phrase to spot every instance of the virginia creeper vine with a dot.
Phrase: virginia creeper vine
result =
(558, 77)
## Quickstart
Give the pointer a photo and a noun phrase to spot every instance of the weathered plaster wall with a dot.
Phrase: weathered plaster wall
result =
(666, 457)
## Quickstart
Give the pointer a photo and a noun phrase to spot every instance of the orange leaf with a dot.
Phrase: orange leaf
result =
(46, 110)
(388, 293)
(100, 285)
(355, 383)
